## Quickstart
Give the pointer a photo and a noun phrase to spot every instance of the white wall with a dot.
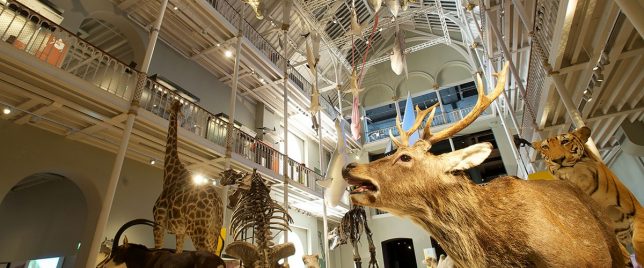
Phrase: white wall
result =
(630, 169)
(35, 151)
(42, 221)
(447, 67)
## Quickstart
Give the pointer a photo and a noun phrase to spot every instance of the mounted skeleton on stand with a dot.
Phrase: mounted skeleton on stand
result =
(351, 227)
(257, 215)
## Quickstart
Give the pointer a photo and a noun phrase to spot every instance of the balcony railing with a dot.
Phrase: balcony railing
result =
(232, 15)
(439, 119)
(31, 33)
(545, 20)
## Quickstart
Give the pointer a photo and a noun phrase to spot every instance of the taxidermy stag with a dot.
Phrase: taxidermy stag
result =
(508, 222)
(257, 215)
(139, 256)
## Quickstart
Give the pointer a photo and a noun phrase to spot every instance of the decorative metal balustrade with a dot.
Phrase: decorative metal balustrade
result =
(545, 20)
(439, 119)
(35, 35)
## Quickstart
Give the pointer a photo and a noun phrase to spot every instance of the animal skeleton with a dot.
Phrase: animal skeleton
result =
(507, 223)
(257, 215)
(351, 227)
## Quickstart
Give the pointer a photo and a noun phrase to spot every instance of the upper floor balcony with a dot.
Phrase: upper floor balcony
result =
(213, 26)
(56, 81)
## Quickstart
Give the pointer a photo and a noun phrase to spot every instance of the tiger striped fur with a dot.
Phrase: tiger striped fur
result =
(568, 158)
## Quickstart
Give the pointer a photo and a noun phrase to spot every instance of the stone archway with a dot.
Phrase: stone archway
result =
(44, 215)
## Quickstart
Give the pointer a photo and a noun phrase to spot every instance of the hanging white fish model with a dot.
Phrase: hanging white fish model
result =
(404, 5)
(375, 5)
(313, 51)
(394, 7)
(356, 28)
(398, 60)
(335, 183)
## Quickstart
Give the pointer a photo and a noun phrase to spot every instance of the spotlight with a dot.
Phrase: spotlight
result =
(228, 53)
(214, 183)
(152, 161)
(262, 80)
(218, 44)
(335, 21)
(367, 42)
(6, 110)
(199, 179)
(595, 68)
(600, 78)
(175, 8)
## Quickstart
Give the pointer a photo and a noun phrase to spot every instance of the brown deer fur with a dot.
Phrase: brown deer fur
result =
(506, 223)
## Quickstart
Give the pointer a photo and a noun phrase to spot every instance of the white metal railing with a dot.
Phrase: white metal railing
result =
(439, 119)
(545, 20)
(32, 33)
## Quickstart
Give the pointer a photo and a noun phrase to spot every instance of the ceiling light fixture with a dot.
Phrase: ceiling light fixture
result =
(218, 44)
(228, 53)
(199, 179)
(335, 21)
(152, 161)
(6, 110)
(175, 7)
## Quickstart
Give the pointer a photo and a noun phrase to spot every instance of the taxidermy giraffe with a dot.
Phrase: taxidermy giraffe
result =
(508, 222)
(185, 208)
(258, 215)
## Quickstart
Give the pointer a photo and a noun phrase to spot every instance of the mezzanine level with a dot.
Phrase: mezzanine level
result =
(54, 80)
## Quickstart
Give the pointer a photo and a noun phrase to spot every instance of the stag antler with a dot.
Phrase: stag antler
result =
(404, 135)
(481, 104)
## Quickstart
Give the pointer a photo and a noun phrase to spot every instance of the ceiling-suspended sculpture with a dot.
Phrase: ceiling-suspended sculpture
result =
(356, 124)
(334, 183)
(394, 8)
(397, 58)
(257, 6)
(313, 58)
(356, 27)
(255, 217)
(375, 5)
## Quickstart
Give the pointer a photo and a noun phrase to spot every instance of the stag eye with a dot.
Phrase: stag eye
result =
(544, 147)
(565, 141)
(405, 158)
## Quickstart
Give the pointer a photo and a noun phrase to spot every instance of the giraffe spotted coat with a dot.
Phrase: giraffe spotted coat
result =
(184, 208)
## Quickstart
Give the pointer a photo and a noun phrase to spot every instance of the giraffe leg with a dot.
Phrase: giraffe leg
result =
(159, 233)
(180, 237)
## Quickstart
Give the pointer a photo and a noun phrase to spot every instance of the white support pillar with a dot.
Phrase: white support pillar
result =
(106, 207)
(325, 223)
(286, 159)
(440, 103)
(230, 128)
(575, 115)
(630, 9)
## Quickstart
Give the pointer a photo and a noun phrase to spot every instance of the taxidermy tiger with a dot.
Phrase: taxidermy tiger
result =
(568, 158)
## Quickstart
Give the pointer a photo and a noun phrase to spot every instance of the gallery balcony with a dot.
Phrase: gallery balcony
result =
(54, 80)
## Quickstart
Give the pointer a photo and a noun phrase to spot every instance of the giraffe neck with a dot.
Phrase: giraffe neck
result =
(171, 154)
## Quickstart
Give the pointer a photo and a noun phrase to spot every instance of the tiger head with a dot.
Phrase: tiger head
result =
(563, 150)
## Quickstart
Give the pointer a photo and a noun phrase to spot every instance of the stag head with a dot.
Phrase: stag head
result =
(412, 170)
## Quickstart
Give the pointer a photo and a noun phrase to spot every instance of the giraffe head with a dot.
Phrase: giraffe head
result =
(175, 107)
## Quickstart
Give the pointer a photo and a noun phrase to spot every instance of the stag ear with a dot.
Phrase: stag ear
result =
(469, 157)
(125, 243)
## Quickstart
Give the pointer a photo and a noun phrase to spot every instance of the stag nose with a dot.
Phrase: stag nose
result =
(345, 171)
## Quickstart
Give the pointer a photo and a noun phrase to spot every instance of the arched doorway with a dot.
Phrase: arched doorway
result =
(43, 217)
(398, 253)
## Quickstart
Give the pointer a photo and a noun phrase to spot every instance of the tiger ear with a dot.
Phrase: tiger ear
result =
(583, 133)
(536, 145)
